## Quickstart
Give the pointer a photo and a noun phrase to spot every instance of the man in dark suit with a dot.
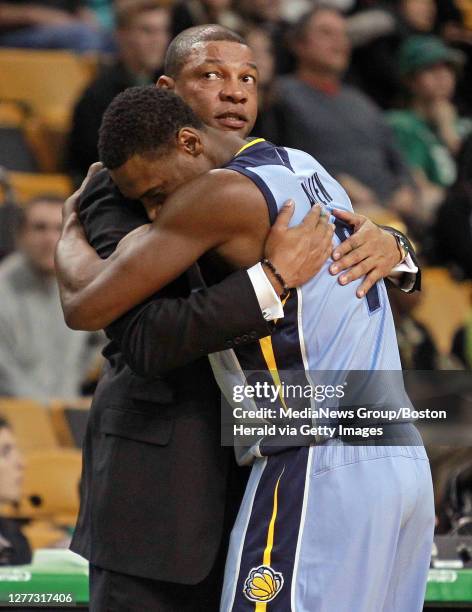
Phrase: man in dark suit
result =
(158, 492)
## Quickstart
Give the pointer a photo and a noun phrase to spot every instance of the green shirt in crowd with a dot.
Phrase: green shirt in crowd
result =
(422, 147)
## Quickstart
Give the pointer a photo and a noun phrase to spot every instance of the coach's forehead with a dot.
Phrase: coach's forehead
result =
(223, 51)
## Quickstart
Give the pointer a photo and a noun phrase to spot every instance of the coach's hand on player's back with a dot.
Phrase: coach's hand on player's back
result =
(371, 252)
(299, 252)
(71, 205)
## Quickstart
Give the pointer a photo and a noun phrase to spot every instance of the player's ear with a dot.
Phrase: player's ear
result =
(165, 82)
(189, 140)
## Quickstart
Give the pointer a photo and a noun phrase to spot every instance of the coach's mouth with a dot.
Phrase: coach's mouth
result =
(232, 120)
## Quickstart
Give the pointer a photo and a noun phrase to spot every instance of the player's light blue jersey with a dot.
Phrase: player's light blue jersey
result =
(326, 327)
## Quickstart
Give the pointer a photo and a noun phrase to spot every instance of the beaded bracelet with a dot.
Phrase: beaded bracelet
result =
(270, 265)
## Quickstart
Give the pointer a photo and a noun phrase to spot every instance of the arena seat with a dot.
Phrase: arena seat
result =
(444, 306)
(24, 142)
(69, 420)
(51, 486)
(31, 423)
(29, 185)
(48, 82)
(43, 534)
(15, 150)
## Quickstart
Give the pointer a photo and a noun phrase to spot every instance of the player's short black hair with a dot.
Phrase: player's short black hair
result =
(141, 120)
(183, 43)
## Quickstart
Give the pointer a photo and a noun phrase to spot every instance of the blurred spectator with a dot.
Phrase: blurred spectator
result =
(336, 123)
(50, 24)
(417, 15)
(267, 15)
(14, 547)
(189, 13)
(465, 6)
(416, 346)
(377, 32)
(261, 44)
(453, 226)
(377, 29)
(291, 10)
(462, 343)
(455, 27)
(143, 36)
(39, 356)
(103, 11)
(450, 22)
(10, 215)
(429, 132)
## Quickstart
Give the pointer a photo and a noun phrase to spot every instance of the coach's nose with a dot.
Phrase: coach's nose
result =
(232, 92)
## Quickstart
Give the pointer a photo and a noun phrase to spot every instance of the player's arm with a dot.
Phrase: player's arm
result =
(167, 332)
(207, 213)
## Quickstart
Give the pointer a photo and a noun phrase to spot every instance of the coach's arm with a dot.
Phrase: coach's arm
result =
(168, 331)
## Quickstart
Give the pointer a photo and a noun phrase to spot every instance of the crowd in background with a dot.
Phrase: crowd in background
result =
(378, 91)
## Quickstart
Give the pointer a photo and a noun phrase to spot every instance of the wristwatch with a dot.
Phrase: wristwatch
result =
(402, 245)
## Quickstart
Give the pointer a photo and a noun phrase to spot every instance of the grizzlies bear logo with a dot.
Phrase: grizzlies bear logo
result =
(263, 584)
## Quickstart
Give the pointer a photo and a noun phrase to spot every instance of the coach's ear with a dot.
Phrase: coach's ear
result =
(165, 82)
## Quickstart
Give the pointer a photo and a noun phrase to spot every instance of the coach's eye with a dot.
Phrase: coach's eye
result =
(249, 78)
(211, 76)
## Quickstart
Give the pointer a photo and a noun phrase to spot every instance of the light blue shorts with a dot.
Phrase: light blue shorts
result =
(333, 528)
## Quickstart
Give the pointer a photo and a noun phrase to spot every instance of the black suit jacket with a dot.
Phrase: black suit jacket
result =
(155, 477)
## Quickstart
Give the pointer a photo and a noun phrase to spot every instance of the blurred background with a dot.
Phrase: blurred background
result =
(378, 91)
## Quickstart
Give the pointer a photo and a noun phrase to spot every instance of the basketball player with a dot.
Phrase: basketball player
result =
(322, 527)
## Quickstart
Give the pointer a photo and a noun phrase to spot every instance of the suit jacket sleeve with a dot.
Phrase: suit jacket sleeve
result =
(168, 330)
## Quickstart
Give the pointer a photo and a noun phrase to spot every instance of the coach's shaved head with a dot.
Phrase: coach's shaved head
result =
(182, 45)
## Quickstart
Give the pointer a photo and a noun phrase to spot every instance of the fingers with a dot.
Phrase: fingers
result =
(313, 216)
(285, 215)
(347, 216)
(368, 282)
(350, 244)
(358, 271)
(94, 168)
(72, 202)
(73, 220)
(322, 237)
(350, 259)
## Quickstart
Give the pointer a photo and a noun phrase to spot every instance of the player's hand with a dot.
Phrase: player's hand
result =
(299, 252)
(370, 252)
(71, 205)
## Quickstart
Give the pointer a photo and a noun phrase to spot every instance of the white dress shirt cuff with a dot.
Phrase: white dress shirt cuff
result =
(404, 275)
(269, 301)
